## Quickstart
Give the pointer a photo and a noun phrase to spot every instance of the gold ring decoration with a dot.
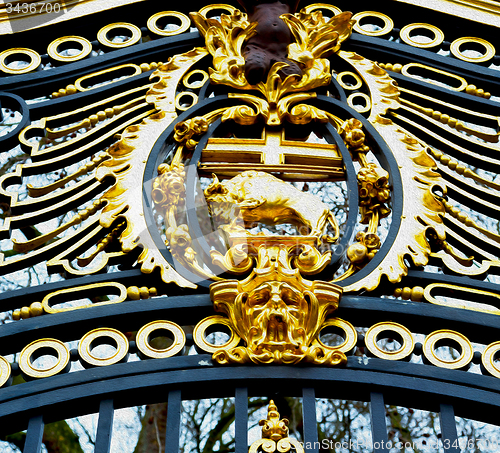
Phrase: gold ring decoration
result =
(5, 371)
(488, 359)
(315, 6)
(100, 336)
(207, 323)
(487, 49)
(179, 97)
(38, 348)
(345, 85)
(60, 44)
(148, 332)
(425, 72)
(387, 330)
(65, 295)
(153, 23)
(357, 107)
(448, 337)
(216, 7)
(102, 35)
(388, 23)
(193, 81)
(425, 30)
(34, 60)
(120, 70)
(351, 336)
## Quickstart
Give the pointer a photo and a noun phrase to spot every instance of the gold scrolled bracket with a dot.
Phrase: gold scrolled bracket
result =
(155, 329)
(5, 372)
(390, 330)
(275, 435)
(448, 338)
(107, 336)
(38, 348)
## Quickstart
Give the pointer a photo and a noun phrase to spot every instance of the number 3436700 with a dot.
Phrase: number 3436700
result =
(33, 8)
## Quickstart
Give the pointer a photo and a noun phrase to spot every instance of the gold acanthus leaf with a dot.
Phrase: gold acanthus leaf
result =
(128, 161)
(421, 209)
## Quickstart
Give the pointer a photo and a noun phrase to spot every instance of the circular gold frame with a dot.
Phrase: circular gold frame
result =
(359, 82)
(366, 108)
(85, 350)
(436, 41)
(429, 351)
(402, 353)
(201, 341)
(488, 55)
(35, 57)
(146, 349)
(178, 98)
(389, 24)
(351, 336)
(54, 53)
(102, 35)
(197, 84)
(487, 359)
(315, 6)
(5, 371)
(206, 9)
(185, 23)
(62, 362)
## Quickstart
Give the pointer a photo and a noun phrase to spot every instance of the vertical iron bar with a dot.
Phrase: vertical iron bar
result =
(311, 443)
(241, 420)
(104, 426)
(33, 443)
(173, 422)
(449, 435)
(379, 424)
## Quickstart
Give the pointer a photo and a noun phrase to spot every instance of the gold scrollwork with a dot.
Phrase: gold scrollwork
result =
(38, 348)
(154, 329)
(386, 28)
(216, 7)
(448, 338)
(350, 335)
(5, 371)
(103, 38)
(185, 22)
(55, 52)
(488, 359)
(29, 56)
(111, 337)
(309, 9)
(425, 30)
(199, 334)
(387, 330)
(486, 53)
(346, 75)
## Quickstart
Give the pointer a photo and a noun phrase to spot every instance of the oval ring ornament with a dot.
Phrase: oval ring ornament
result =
(351, 336)
(404, 352)
(39, 347)
(462, 362)
(108, 336)
(5, 371)
(153, 20)
(488, 359)
(145, 348)
(200, 338)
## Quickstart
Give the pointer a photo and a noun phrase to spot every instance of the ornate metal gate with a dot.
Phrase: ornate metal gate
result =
(285, 175)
